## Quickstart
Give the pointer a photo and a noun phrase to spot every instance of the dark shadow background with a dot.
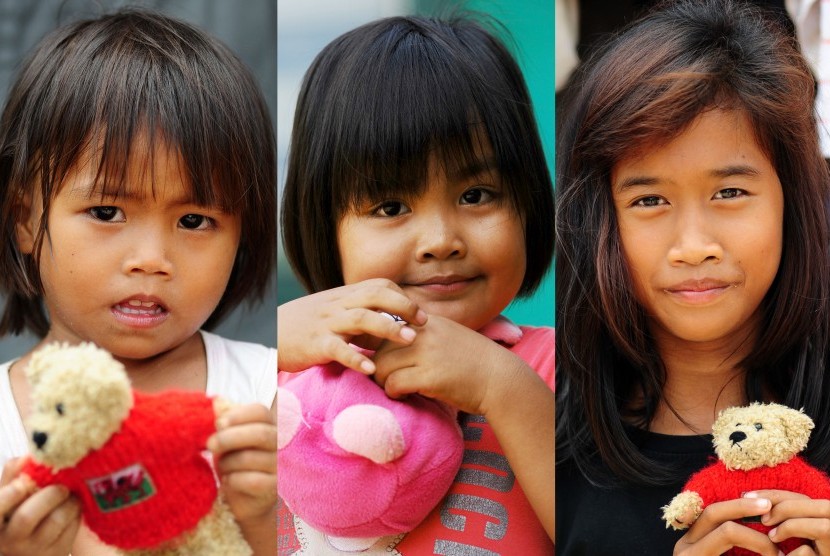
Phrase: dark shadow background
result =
(248, 27)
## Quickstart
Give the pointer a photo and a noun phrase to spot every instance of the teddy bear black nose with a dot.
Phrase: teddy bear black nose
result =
(737, 436)
(40, 438)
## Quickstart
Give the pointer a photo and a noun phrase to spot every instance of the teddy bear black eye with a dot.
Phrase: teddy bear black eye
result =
(59, 408)
(758, 426)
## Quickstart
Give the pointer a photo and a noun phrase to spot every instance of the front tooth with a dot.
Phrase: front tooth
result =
(134, 302)
(148, 304)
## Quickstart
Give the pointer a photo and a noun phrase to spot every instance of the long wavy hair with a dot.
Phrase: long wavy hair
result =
(644, 88)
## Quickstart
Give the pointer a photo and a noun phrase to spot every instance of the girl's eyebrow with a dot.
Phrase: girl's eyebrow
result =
(477, 167)
(742, 170)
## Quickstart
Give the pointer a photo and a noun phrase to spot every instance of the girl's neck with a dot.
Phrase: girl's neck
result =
(183, 367)
(702, 378)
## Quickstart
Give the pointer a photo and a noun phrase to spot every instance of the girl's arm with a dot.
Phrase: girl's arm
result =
(520, 409)
(456, 365)
(316, 329)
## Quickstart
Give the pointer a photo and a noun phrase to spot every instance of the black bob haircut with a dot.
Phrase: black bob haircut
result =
(103, 83)
(382, 99)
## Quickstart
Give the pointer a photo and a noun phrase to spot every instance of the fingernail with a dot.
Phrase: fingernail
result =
(222, 423)
(367, 367)
(407, 333)
(762, 503)
(420, 316)
(772, 533)
(750, 494)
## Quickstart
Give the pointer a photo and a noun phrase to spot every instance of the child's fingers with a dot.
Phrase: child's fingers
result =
(384, 295)
(359, 321)
(29, 515)
(339, 351)
(247, 460)
(59, 524)
(11, 496)
(715, 515)
(251, 483)
(256, 436)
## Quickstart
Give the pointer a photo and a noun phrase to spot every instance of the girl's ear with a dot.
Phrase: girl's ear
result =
(26, 225)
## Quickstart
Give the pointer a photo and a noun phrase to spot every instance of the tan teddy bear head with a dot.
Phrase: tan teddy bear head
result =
(760, 434)
(80, 395)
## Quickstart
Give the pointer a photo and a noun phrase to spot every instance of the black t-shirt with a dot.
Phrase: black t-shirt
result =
(626, 520)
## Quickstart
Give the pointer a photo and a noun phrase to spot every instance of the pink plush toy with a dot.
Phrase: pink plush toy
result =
(354, 463)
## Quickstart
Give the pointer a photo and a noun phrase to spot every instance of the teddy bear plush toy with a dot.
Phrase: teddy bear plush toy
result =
(357, 465)
(135, 461)
(757, 447)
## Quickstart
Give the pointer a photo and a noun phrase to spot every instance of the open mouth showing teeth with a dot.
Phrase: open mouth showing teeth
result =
(136, 307)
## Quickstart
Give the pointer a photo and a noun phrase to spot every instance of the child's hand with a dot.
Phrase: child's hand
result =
(42, 522)
(448, 362)
(715, 532)
(797, 515)
(317, 329)
(245, 454)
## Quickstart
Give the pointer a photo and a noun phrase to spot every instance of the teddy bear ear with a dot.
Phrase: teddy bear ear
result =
(798, 426)
(41, 362)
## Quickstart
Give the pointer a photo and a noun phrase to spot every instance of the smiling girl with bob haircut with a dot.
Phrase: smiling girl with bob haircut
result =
(692, 274)
(417, 186)
(138, 206)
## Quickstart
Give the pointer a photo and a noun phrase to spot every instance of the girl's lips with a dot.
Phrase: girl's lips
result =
(699, 294)
(444, 284)
(140, 313)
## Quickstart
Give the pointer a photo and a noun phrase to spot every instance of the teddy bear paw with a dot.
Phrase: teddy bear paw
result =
(683, 510)
(370, 431)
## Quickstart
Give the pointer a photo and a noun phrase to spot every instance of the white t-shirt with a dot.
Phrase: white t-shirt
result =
(240, 372)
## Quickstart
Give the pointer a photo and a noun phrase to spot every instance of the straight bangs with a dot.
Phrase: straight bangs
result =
(109, 90)
(386, 103)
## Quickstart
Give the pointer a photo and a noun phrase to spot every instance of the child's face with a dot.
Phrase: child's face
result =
(701, 223)
(138, 274)
(458, 250)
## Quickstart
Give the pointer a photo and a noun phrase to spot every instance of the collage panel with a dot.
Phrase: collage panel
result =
(138, 277)
(691, 277)
(415, 288)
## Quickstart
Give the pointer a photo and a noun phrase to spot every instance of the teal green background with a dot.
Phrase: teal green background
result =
(530, 25)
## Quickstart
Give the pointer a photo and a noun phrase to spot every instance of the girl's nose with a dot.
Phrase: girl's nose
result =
(695, 242)
(440, 238)
(147, 253)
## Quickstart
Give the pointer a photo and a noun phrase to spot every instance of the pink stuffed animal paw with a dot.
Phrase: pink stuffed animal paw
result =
(370, 431)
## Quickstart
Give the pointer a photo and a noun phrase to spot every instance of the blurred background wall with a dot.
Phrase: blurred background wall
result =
(249, 28)
(306, 26)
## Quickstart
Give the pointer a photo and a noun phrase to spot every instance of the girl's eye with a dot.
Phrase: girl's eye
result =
(730, 193)
(650, 201)
(107, 214)
(195, 222)
(476, 196)
(390, 208)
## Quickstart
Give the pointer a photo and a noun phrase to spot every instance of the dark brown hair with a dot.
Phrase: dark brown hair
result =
(377, 102)
(643, 89)
(107, 81)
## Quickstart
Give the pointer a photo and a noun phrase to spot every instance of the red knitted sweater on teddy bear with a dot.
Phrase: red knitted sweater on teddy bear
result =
(716, 483)
(150, 482)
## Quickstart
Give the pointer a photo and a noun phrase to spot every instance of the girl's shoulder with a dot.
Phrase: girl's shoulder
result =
(242, 372)
(538, 348)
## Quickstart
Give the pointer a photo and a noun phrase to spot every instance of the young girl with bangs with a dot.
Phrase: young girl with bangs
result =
(417, 187)
(692, 275)
(137, 212)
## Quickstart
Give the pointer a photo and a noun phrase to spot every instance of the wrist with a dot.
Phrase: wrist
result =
(507, 381)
